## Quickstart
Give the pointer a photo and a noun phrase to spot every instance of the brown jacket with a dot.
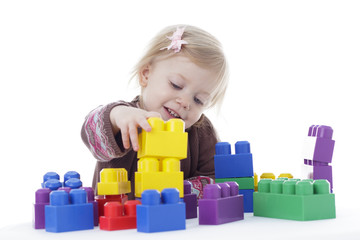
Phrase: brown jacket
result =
(97, 135)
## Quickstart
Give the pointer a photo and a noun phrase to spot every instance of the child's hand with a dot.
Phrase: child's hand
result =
(128, 120)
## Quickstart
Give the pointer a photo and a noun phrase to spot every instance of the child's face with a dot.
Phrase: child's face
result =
(177, 88)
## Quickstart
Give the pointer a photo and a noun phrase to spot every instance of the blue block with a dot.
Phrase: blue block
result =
(157, 214)
(248, 199)
(62, 216)
(236, 165)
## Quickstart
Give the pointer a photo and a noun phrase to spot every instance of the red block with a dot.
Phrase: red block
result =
(118, 218)
(102, 199)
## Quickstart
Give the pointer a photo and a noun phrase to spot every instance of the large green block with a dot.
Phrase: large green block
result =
(294, 200)
(244, 183)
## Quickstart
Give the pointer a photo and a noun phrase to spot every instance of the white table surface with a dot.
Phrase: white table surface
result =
(345, 226)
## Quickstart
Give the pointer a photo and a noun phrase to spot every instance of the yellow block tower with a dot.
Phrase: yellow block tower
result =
(159, 155)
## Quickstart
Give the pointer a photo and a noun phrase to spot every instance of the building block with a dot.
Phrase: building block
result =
(244, 183)
(319, 145)
(41, 200)
(113, 181)
(102, 199)
(71, 174)
(318, 152)
(190, 200)
(229, 165)
(285, 175)
(248, 199)
(294, 200)
(160, 152)
(118, 216)
(164, 140)
(267, 175)
(91, 199)
(63, 216)
(221, 204)
(158, 214)
(256, 180)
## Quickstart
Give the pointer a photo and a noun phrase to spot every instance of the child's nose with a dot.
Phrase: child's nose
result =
(183, 103)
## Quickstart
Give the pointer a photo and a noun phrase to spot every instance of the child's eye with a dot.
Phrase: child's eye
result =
(175, 86)
(198, 101)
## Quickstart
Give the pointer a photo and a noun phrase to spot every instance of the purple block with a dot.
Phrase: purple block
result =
(190, 201)
(91, 199)
(221, 204)
(322, 147)
(323, 172)
(41, 200)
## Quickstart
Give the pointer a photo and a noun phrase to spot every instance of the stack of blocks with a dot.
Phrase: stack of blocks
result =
(112, 187)
(68, 211)
(318, 152)
(294, 200)
(236, 167)
(221, 204)
(51, 182)
(160, 152)
(157, 214)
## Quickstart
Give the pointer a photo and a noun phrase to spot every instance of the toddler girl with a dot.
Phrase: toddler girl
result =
(183, 73)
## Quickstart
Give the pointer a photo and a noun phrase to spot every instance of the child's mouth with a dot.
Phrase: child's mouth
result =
(172, 113)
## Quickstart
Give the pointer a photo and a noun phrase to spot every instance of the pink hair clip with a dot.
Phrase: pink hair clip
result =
(176, 41)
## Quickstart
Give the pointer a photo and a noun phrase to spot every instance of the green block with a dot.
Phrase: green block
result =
(244, 183)
(294, 200)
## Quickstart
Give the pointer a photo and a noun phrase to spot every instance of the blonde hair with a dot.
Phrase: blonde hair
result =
(203, 49)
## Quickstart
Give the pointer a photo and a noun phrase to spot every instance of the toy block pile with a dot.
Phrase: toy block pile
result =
(294, 199)
(64, 206)
(236, 167)
(318, 152)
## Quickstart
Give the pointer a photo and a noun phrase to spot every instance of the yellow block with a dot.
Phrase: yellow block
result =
(285, 175)
(256, 182)
(158, 181)
(113, 181)
(164, 140)
(267, 175)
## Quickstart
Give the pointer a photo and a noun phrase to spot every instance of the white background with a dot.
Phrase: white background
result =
(293, 64)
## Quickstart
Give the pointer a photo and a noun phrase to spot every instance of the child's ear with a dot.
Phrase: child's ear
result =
(144, 76)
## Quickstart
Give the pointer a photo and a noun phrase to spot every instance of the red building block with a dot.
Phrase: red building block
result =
(118, 218)
(102, 199)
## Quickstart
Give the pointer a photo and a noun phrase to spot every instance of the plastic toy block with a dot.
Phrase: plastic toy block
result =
(73, 183)
(256, 180)
(113, 181)
(164, 140)
(66, 189)
(248, 199)
(157, 214)
(158, 174)
(62, 216)
(52, 184)
(319, 145)
(221, 204)
(244, 183)
(285, 175)
(294, 200)
(190, 200)
(267, 175)
(71, 174)
(41, 200)
(102, 199)
(236, 165)
(91, 199)
(118, 218)
(323, 172)
(48, 176)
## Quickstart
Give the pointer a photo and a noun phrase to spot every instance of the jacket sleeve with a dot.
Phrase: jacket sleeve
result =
(97, 134)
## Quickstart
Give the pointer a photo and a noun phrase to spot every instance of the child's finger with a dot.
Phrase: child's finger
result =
(134, 137)
(125, 137)
(144, 124)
